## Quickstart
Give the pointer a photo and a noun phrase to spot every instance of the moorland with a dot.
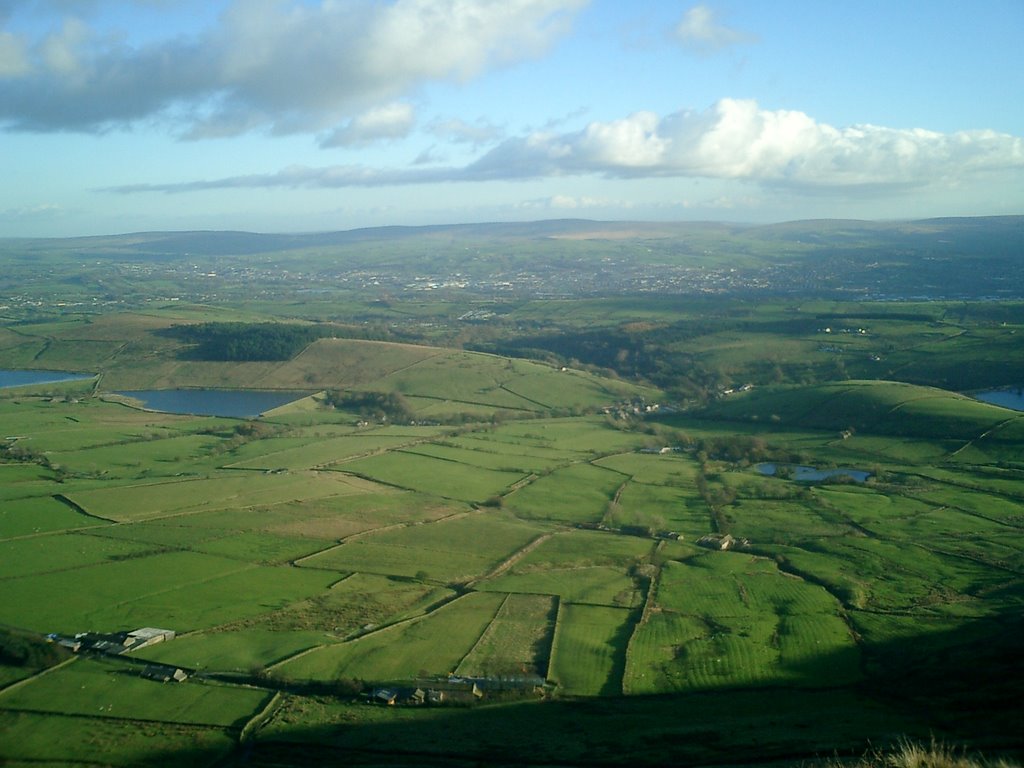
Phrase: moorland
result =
(535, 498)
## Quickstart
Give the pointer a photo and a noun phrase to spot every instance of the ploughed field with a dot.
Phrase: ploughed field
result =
(598, 554)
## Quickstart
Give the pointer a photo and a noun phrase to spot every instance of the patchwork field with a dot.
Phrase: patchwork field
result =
(576, 558)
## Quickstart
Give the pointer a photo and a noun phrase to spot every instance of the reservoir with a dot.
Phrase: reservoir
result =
(236, 403)
(813, 474)
(1013, 397)
(9, 378)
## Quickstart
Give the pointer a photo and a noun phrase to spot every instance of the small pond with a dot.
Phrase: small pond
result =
(10, 378)
(813, 474)
(236, 403)
(1010, 397)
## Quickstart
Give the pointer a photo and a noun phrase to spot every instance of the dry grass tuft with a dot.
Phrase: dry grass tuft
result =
(910, 754)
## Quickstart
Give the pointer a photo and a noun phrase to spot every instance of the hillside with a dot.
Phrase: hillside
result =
(873, 407)
(948, 235)
(133, 352)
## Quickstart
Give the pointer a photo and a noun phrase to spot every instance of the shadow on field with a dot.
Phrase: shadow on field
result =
(961, 687)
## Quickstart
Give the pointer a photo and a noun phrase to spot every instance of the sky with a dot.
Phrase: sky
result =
(303, 115)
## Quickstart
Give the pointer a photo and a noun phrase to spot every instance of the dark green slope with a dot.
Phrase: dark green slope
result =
(873, 407)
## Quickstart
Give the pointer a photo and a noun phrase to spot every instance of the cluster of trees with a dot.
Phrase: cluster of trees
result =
(15, 451)
(376, 406)
(21, 649)
(245, 342)
(738, 449)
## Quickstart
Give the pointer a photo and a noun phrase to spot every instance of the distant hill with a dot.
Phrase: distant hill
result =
(968, 258)
(438, 382)
(941, 235)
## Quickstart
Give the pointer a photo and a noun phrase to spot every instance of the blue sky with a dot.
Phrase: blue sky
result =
(293, 115)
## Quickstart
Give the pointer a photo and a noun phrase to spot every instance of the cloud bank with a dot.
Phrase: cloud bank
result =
(283, 65)
(734, 139)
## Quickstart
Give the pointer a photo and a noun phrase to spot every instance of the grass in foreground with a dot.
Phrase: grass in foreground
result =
(910, 754)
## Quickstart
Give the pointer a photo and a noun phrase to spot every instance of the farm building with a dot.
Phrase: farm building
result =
(113, 644)
(103, 644)
(141, 638)
(722, 542)
(72, 644)
(384, 696)
(164, 674)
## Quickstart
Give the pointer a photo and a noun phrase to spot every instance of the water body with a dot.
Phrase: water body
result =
(813, 474)
(10, 378)
(236, 403)
(1008, 398)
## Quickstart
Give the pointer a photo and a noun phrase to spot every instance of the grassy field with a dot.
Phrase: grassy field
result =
(578, 493)
(428, 646)
(517, 642)
(445, 478)
(514, 539)
(32, 738)
(455, 549)
(117, 691)
(748, 624)
(589, 654)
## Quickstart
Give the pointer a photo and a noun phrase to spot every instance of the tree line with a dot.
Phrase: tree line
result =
(377, 406)
(248, 342)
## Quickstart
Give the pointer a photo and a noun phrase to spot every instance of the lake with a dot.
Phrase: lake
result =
(10, 378)
(1012, 397)
(813, 474)
(236, 403)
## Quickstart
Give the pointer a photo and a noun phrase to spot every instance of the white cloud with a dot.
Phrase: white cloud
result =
(573, 203)
(41, 211)
(734, 139)
(701, 32)
(283, 64)
(391, 121)
(459, 131)
(630, 143)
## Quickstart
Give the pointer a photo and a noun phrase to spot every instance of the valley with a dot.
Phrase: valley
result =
(513, 528)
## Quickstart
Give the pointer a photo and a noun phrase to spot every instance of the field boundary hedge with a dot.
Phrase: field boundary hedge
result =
(554, 639)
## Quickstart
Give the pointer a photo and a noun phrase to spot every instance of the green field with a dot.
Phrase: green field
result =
(439, 477)
(454, 549)
(31, 738)
(579, 493)
(537, 521)
(422, 647)
(747, 625)
(117, 691)
(589, 653)
(517, 642)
